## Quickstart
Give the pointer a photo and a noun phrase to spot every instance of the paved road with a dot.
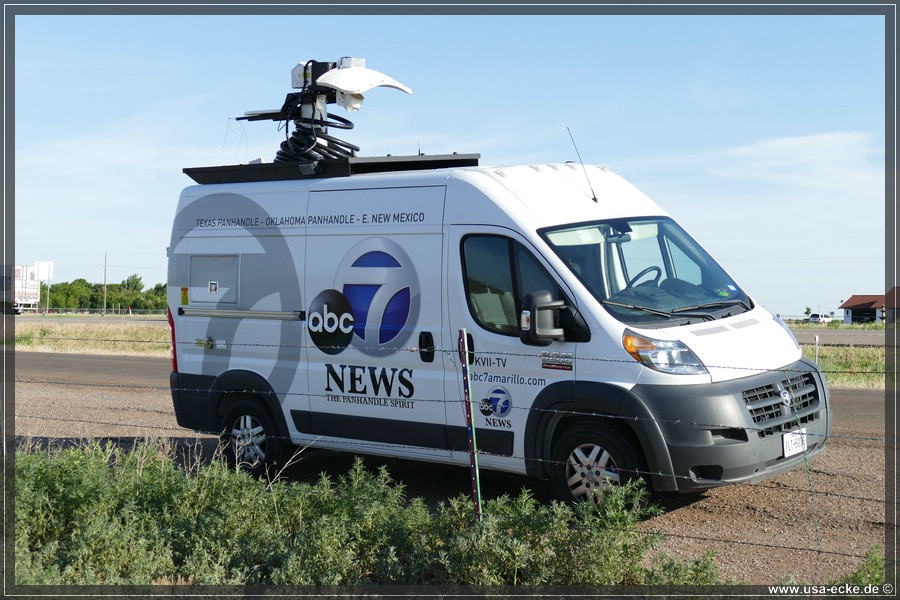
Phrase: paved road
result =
(841, 337)
(87, 369)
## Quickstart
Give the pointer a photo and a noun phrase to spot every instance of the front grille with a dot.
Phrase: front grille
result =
(770, 413)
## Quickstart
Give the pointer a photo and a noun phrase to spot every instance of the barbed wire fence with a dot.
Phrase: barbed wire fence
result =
(817, 547)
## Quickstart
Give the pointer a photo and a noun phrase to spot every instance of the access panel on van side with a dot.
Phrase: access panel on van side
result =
(373, 281)
(234, 287)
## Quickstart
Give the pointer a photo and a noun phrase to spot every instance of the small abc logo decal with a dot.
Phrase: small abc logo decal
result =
(498, 403)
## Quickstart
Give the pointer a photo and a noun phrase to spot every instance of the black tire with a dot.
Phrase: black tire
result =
(251, 439)
(590, 456)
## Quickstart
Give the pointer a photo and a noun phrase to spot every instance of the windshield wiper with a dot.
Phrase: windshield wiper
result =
(719, 304)
(652, 311)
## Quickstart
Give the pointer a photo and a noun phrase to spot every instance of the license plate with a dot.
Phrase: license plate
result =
(794, 442)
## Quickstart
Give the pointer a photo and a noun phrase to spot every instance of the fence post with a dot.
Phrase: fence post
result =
(470, 424)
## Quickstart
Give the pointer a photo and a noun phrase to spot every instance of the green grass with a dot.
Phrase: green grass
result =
(97, 514)
(850, 367)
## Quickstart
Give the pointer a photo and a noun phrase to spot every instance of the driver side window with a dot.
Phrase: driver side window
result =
(498, 273)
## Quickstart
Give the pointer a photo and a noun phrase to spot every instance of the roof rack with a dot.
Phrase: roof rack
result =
(332, 167)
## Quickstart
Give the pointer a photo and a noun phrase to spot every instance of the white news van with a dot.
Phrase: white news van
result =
(320, 304)
(326, 310)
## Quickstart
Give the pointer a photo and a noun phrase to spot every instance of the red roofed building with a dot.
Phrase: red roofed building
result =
(872, 309)
(892, 305)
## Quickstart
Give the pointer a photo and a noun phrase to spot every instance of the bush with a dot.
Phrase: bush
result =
(98, 514)
(872, 571)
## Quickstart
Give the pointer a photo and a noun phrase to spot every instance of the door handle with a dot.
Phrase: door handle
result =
(426, 346)
(470, 347)
(470, 342)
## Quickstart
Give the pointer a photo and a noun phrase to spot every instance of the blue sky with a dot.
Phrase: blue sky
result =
(762, 135)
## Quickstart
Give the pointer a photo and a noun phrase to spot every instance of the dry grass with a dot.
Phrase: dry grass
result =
(851, 367)
(130, 338)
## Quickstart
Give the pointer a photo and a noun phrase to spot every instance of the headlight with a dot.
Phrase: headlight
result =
(668, 357)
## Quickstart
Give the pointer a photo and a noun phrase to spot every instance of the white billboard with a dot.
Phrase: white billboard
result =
(44, 270)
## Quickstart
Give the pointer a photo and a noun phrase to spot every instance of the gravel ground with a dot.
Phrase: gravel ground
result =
(811, 525)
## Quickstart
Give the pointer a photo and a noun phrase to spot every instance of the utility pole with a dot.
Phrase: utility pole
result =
(44, 273)
(104, 285)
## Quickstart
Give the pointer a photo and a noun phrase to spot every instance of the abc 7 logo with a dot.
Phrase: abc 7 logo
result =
(378, 304)
(498, 403)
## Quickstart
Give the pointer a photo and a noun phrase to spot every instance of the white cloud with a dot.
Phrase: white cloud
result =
(798, 220)
(845, 162)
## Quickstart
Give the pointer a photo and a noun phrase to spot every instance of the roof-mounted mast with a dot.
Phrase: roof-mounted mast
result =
(310, 151)
(321, 84)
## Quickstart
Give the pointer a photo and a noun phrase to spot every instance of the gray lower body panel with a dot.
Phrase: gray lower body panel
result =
(731, 432)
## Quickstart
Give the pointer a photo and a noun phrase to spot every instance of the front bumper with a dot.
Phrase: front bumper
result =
(703, 436)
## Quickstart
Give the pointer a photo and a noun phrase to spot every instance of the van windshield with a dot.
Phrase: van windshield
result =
(647, 271)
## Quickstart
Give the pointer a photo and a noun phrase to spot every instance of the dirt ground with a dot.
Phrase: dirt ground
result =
(811, 526)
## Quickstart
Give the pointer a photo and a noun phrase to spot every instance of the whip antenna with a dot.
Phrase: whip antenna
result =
(577, 153)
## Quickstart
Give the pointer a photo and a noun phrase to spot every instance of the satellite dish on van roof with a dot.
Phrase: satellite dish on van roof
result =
(320, 84)
(356, 80)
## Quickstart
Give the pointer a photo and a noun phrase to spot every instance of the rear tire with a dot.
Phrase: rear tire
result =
(251, 439)
(589, 457)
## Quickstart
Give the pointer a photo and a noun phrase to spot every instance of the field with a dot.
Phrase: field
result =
(851, 367)
(93, 335)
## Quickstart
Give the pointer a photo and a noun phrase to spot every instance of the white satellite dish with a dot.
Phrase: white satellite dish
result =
(350, 78)
(359, 79)
(321, 84)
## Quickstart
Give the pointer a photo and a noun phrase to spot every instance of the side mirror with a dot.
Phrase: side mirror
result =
(539, 319)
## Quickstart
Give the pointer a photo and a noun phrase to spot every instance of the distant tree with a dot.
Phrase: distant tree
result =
(133, 283)
(59, 296)
(96, 301)
(80, 291)
(74, 295)
(155, 297)
(808, 311)
(81, 295)
(129, 293)
(114, 295)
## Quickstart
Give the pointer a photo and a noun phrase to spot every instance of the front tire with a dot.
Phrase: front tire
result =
(251, 438)
(589, 457)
